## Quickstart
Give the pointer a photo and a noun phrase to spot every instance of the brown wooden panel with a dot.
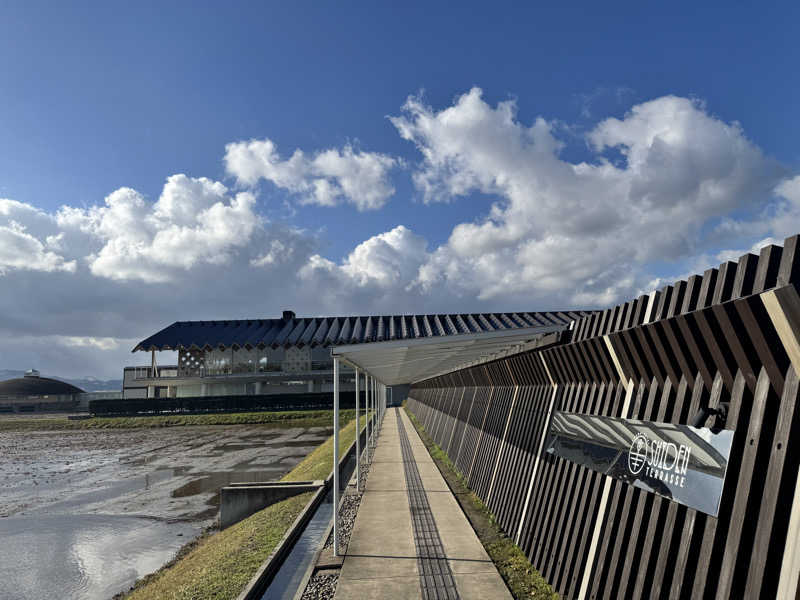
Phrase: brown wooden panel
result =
(722, 535)
(763, 337)
(631, 515)
(789, 271)
(570, 530)
(769, 263)
(661, 521)
(708, 354)
(718, 352)
(725, 279)
(692, 293)
(691, 537)
(707, 288)
(776, 503)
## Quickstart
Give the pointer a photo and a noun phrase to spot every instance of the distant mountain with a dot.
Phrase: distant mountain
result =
(87, 384)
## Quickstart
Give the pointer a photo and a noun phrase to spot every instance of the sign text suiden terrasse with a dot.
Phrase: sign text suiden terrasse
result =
(680, 462)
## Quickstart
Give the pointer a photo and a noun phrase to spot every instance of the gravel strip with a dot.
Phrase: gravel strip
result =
(364, 468)
(322, 586)
(349, 508)
(347, 518)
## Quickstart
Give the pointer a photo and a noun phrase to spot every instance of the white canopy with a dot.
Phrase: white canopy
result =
(408, 361)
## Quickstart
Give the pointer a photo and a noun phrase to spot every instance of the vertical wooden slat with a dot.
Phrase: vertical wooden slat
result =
(652, 576)
(773, 516)
(677, 569)
(704, 341)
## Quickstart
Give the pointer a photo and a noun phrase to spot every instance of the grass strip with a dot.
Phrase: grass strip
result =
(524, 581)
(319, 462)
(290, 418)
(222, 564)
(219, 565)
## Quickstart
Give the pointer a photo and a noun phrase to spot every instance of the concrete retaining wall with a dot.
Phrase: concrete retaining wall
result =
(240, 500)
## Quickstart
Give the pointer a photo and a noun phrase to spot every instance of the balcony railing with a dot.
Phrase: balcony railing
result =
(215, 371)
(148, 373)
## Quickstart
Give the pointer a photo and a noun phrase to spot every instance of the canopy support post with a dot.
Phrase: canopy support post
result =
(335, 456)
(358, 438)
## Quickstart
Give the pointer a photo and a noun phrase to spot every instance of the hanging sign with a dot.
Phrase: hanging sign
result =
(683, 463)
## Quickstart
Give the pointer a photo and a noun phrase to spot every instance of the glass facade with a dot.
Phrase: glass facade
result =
(198, 363)
(251, 371)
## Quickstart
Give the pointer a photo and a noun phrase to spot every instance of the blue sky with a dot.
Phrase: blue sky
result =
(102, 96)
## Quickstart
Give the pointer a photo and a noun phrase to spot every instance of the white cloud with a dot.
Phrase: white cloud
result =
(784, 220)
(11, 208)
(100, 343)
(775, 221)
(67, 356)
(327, 178)
(280, 252)
(667, 182)
(23, 249)
(580, 233)
(388, 260)
(194, 221)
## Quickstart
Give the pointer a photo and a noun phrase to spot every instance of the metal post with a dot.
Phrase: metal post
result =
(366, 414)
(371, 411)
(335, 456)
(358, 440)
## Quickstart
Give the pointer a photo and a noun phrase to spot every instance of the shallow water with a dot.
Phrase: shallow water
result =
(291, 573)
(83, 556)
(85, 514)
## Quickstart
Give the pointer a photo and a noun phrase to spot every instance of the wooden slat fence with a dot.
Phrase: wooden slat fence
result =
(728, 339)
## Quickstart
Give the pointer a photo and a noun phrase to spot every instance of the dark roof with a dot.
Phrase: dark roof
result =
(37, 386)
(340, 331)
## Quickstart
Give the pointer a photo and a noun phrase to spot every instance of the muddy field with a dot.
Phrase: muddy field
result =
(84, 513)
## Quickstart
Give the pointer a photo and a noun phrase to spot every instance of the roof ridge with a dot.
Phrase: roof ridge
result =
(276, 332)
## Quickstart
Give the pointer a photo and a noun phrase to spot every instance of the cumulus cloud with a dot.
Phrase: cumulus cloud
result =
(385, 261)
(775, 221)
(326, 178)
(585, 232)
(287, 246)
(784, 220)
(20, 250)
(195, 220)
(23, 249)
(668, 181)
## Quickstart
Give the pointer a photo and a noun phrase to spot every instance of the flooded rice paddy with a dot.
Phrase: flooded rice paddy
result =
(83, 514)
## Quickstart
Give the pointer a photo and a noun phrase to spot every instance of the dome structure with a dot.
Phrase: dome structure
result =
(33, 385)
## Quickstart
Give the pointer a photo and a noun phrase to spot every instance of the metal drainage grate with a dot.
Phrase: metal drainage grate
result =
(435, 575)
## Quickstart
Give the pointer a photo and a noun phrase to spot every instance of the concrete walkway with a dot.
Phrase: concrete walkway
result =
(389, 550)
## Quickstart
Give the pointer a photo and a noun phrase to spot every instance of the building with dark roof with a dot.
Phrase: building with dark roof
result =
(264, 356)
(33, 393)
